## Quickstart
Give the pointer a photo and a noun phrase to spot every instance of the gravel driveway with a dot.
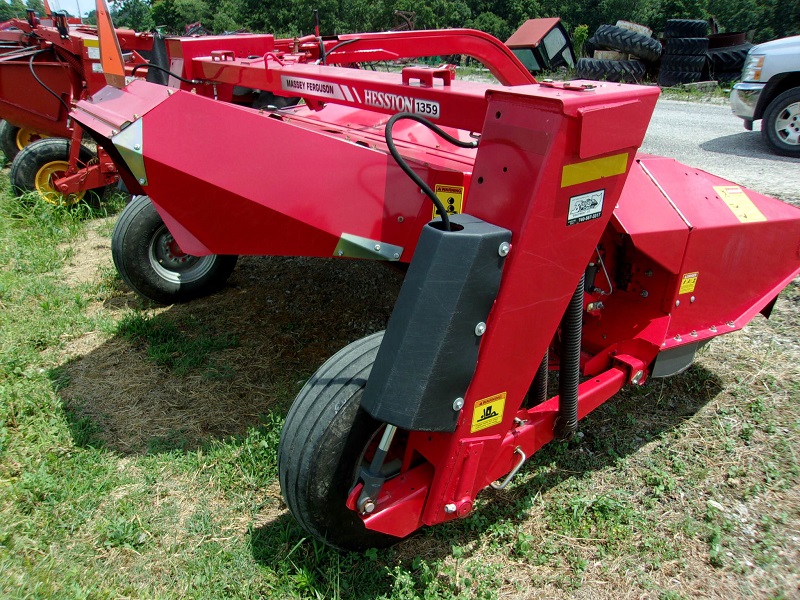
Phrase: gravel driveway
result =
(710, 137)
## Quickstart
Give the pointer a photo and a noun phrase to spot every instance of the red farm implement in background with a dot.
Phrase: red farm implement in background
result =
(538, 239)
(45, 66)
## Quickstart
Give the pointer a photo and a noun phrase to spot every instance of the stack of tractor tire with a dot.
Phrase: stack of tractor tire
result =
(632, 52)
(725, 56)
(685, 49)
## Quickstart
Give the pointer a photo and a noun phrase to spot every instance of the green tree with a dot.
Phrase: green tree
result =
(133, 14)
(36, 5)
(491, 23)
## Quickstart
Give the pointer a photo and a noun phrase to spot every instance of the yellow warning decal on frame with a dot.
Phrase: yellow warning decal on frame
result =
(688, 283)
(452, 196)
(488, 412)
(591, 170)
(739, 203)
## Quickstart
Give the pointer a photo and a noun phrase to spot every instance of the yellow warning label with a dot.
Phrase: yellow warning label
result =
(688, 282)
(591, 170)
(739, 203)
(488, 412)
(91, 43)
(452, 196)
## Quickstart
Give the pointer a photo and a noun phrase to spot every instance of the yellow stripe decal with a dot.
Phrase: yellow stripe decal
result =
(591, 170)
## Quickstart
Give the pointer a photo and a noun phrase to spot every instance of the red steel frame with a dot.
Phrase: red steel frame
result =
(698, 263)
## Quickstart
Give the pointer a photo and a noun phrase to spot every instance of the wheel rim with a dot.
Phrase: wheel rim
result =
(43, 183)
(787, 124)
(173, 264)
(25, 137)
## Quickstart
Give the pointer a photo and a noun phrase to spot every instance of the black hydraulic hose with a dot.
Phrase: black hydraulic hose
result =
(42, 83)
(426, 189)
(570, 364)
(538, 390)
(152, 66)
(324, 55)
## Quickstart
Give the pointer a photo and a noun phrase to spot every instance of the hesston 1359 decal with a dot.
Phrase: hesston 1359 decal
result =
(391, 102)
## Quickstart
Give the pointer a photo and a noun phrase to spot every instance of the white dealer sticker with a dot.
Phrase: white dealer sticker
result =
(585, 207)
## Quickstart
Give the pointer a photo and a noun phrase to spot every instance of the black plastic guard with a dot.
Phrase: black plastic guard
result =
(430, 350)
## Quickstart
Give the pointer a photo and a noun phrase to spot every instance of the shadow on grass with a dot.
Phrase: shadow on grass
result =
(174, 378)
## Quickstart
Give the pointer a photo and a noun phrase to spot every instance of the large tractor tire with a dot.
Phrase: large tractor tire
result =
(627, 71)
(727, 60)
(326, 440)
(673, 78)
(630, 42)
(685, 28)
(681, 62)
(780, 127)
(38, 165)
(686, 46)
(150, 261)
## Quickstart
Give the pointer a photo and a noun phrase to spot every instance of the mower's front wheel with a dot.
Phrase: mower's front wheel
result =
(38, 165)
(150, 261)
(325, 441)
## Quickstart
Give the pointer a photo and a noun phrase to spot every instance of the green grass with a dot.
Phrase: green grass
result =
(138, 451)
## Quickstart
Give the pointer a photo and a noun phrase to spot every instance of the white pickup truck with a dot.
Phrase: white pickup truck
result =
(770, 90)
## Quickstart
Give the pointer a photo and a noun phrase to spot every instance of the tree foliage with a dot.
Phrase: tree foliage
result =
(767, 19)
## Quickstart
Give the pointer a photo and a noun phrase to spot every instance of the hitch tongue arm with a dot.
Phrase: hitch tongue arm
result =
(373, 480)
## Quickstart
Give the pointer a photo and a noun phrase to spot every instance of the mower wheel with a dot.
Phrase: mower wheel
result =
(780, 128)
(150, 261)
(37, 165)
(324, 443)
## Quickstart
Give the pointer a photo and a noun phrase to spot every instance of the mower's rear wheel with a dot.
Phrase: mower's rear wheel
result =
(325, 441)
(150, 261)
(37, 166)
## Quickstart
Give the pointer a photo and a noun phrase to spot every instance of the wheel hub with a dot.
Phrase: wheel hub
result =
(787, 125)
(44, 184)
(25, 137)
(173, 264)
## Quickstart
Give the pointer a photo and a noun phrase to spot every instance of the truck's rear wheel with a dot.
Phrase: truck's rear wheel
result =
(150, 261)
(781, 125)
(38, 165)
(325, 441)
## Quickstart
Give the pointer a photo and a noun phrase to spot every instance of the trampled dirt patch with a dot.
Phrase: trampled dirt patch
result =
(286, 315)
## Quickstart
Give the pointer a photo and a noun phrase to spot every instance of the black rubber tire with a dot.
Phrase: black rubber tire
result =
(626, 71)
(141, 249)
(630, 42)
(685, 28)
(728, 77)
(686, 46)
(8, 140)
(322, 445)
(39, 154)
(682, 62)
(672, 78)
(780, 127)
(727, 59)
